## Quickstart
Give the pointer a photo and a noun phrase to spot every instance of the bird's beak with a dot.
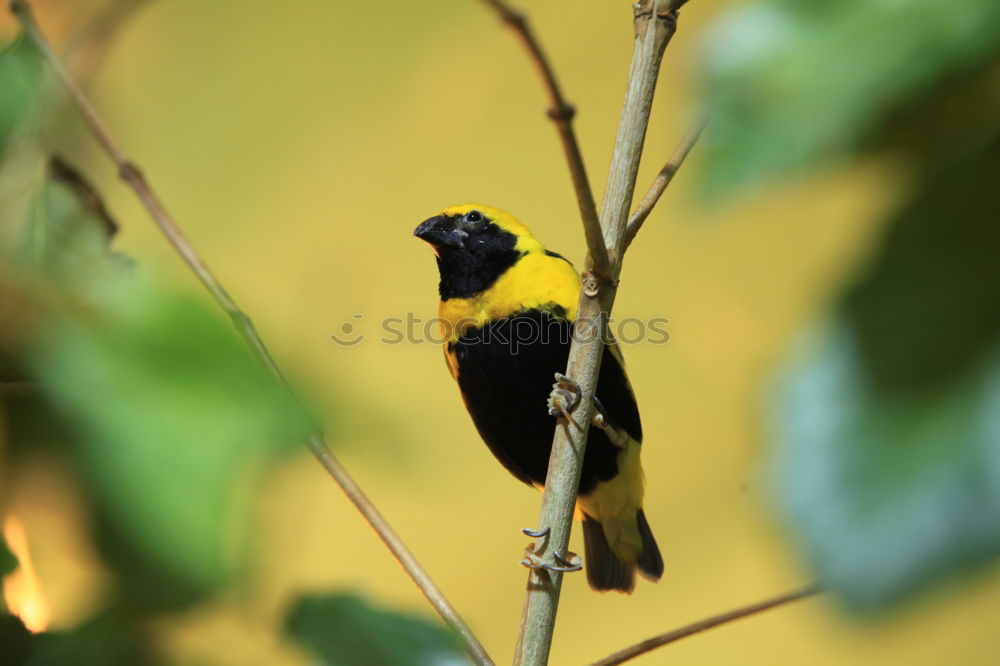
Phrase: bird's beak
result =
(439, 231)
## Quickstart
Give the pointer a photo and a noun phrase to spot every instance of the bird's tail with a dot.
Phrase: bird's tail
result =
(606, 570)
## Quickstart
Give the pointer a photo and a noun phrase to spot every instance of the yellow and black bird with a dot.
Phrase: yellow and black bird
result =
(508, 305)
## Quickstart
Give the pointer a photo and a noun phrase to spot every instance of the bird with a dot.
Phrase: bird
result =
(507, 307)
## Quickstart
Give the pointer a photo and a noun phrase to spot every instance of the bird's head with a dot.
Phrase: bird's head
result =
(474, 245)
(476, 229)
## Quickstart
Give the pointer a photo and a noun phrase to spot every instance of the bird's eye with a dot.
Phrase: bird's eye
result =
(473, 221)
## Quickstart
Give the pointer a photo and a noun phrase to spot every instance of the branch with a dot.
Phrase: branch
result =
(128, 172)
(655, 23)
(663, 178)
(561, 113)
(702, 625)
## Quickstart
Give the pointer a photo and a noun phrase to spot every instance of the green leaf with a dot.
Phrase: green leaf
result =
(21, 157)
(112, 638)
(53, 218)
(58, 239)
(345, 630)
(888, 455)
(928, 308)
(58, 226)
(67, 231)
(73, 229)
(796, 82)
(20, 76)
(173, 418)
(887, 493)
(8, 562)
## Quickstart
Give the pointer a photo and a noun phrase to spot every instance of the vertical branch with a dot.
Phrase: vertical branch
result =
(561, 113)
(130, 173)
(655, 23)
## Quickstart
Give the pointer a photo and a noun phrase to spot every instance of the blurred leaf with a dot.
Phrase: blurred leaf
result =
(793, 82)
(15, 639)
(78, 228)
(888, 492)
(69, 233)
(50, 216)
(888, 459)
(57, 237)
(344, 630)
(20, 75)
(172, 415)
(21, 157)
(111, 639)
(115, 637)
(8, 562)
(956, 115)
(929, 307)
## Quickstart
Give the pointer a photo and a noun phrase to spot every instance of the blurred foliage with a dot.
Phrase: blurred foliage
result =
(161, 410)
(110, 639)
(20, 74)
(795, 82)
(8, 562)
(72, 226)
(889, 429)
(888, 444)
(170, 413)
(166, 410)
(928, 309)
(345, 630)
(888, 460)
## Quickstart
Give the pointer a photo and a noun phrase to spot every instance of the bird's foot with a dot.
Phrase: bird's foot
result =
(568, 564)
(565, 396)
(571, 562)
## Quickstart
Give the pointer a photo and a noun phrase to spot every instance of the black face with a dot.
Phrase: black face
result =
(472, 252)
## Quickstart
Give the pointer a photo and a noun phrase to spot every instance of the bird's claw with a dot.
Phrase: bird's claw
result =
(568, 564)
(599, 419)
(565, 396)
(571, 562)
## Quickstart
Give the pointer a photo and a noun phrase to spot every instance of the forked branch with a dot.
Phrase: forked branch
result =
(138, 183)
(663, 178)
(655, 22)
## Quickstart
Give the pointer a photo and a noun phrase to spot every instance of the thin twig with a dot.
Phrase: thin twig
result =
(663, 178)
(695, 627)
(131, 175)
(561, 113)
(655, 24)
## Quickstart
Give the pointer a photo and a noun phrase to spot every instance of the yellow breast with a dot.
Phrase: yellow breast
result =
(536, 281)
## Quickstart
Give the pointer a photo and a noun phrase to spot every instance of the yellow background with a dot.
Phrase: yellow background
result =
(299, 144)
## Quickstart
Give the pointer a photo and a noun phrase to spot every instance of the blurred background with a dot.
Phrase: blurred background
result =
(826, 407)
